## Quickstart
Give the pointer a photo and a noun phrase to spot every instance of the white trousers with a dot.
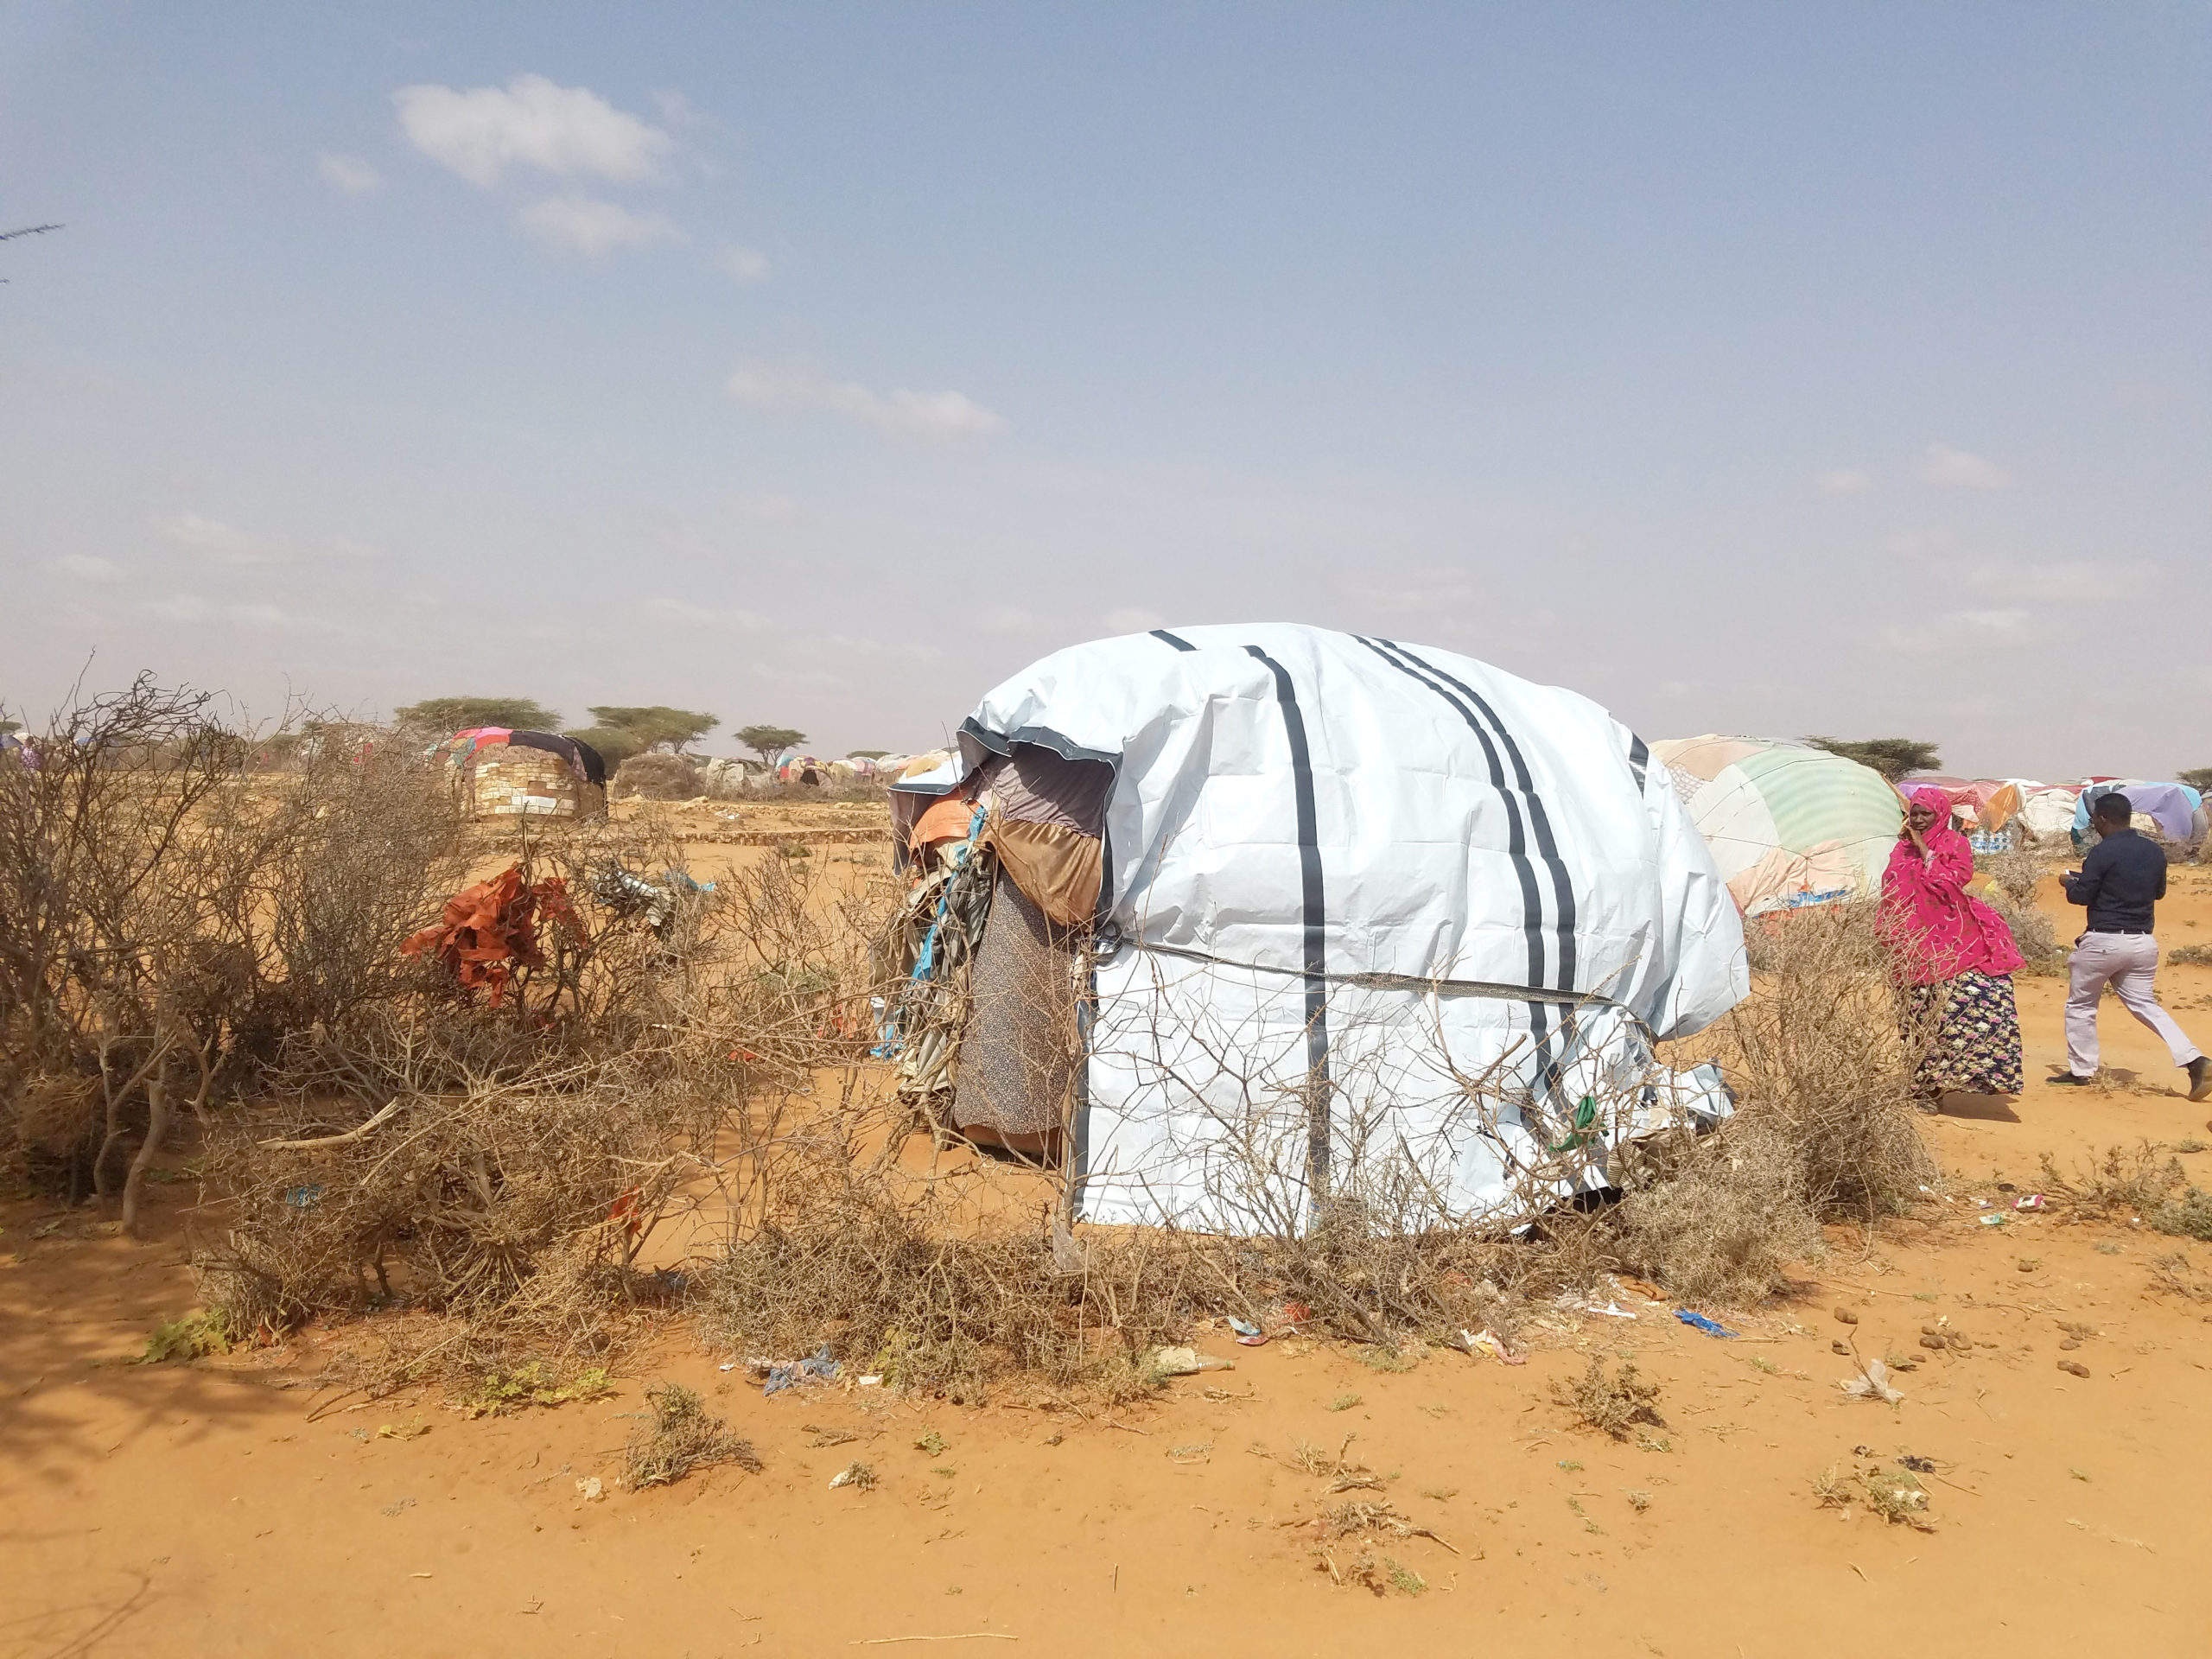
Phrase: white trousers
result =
(2129, 963)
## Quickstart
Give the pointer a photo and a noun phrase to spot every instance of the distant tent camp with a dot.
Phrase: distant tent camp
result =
(1265, 913)
(1788, 824)
(506, 773)
(2173, 813)
(1987, 809)
(2047, 811)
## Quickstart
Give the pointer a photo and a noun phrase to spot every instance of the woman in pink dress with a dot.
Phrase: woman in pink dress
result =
(1954, 959)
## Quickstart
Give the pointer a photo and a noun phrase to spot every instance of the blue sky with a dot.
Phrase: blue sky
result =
(1748, 368)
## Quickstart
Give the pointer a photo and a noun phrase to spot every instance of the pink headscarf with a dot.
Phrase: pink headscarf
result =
(1924, 904)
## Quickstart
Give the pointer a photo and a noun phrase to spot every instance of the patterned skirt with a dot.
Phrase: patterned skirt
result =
(1975, 1045)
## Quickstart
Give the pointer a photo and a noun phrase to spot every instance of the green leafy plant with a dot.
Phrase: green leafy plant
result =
(194, 1337)
(533, 1382)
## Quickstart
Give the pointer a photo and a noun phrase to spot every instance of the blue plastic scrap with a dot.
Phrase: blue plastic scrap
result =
(818, 1364)
(1699, 1322)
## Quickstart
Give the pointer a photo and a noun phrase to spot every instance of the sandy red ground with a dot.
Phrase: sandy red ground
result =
(203, 1510)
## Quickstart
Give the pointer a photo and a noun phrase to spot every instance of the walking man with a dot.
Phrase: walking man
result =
(2120, 881)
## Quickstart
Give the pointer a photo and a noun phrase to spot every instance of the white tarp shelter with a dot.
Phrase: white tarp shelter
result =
(1375, 917)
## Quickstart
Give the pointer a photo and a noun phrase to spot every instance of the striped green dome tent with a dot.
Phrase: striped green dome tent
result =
(1788, 824)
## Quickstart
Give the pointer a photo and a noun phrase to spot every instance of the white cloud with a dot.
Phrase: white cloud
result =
(180, 607)
(1132, 621)
(1912, 544)
(566, 130)
(922, 417)
(1415, 598)
(765, 506)
(1012, 622)
(2074, 582)
(1956, 469)
(587, 226)
(219, 542)
(681, 614)
(260, 617)
(86, 567)
(1843, 481)
(347, 173)
(747, 264)
(1963, 633)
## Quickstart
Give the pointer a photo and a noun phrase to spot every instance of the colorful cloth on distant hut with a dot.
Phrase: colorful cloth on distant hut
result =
(1975, 1045)
(1939, 932)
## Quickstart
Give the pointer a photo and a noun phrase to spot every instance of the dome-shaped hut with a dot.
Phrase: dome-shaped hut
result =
(1788, 824)
(1247, 917)
(501, 772)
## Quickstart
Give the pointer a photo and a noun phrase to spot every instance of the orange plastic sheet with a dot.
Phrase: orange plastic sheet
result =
(490, 929)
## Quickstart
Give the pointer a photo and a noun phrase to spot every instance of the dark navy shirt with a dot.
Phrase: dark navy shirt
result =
(2122, 878)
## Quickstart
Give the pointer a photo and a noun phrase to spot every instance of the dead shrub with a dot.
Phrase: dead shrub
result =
(1818, 1058)
(2018, 874)
(517, 1192)
(1722, 1219)
(166, 916)
(2034, 932)
(1610, 1404)
(1895, 1494)
(900, 1290)
(2125, 1181)
(2177, 1275)
(2188, 1216)
(680, 1438)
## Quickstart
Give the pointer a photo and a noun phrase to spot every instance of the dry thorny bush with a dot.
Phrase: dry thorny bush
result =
(1612, 1404)
(2134, 1183)
(166, 917)
(378, 1139)
(682, 1436)
(1825, 1126)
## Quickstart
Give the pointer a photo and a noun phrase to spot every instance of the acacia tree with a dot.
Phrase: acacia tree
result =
(458, 714)
(1892, 757)
(769, 741)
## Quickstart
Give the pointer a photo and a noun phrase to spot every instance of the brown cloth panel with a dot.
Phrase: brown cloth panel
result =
(1019, 1055)
(1034, 785)
(1057, 869)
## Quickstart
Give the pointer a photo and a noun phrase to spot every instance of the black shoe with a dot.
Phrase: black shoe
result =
(2066, 1079)
(2200, 1077)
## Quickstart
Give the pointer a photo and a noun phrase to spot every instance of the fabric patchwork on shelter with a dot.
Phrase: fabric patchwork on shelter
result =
(1057, 869)
(1018, 1060)
(1032, 784)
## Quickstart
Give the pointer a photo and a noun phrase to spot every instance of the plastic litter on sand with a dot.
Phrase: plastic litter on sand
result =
(1699, 1322)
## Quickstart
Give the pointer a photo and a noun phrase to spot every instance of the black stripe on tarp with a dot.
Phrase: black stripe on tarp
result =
(1316, 913)
(1180, 644)
(1517, 841)
(1547, 846)
(1518, 850)
(1639, 760)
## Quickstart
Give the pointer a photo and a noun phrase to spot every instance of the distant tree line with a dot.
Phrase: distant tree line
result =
(616, 732)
